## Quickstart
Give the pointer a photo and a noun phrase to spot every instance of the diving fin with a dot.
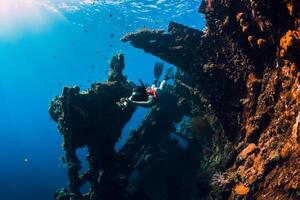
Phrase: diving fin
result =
(169, 73)
(158, 69)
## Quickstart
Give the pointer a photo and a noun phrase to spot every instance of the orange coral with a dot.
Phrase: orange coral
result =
(243, 22)
(252, 80)
(296, 128)
(285, 71)
(290, 7)
(241, 189)
(293, 7)
(240, 16)
(289, 70)
(296, 90)
(285, 151)
(290, 39)
(261, 42)
(249, 149)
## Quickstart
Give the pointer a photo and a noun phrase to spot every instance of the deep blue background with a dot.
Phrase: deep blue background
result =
(30, 77)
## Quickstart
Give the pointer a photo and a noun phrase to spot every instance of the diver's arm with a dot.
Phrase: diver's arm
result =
(130, 98)
(147, 103)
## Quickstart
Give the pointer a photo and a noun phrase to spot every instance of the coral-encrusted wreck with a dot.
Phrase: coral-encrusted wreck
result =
(238, 81)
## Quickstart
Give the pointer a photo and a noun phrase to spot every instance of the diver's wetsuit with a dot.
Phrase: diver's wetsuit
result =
(153, 94)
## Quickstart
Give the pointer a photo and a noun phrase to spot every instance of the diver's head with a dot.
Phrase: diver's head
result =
(139, 90)
(139, 93)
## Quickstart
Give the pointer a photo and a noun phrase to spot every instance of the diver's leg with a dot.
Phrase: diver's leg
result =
(155, 82)
(163, 84)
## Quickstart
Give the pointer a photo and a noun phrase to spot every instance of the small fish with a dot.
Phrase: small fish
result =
(63, 159)
(54, 57)
(98, 51)
(93, 66)
(86, 31)
(110, 15)
(26, 160)
(110, 45)
(176, 47)
(112, 35)
(152, 41)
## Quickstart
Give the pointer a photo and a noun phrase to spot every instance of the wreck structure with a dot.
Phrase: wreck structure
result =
(238, 82)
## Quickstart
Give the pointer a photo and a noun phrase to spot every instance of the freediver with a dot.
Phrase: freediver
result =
(147, 96)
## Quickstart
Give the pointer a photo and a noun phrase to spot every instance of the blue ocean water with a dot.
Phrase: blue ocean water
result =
(48, 44)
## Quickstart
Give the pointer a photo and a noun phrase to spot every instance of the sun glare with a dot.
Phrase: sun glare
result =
(22, 15)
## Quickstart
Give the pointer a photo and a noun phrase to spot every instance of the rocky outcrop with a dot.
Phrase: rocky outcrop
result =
(92, 118)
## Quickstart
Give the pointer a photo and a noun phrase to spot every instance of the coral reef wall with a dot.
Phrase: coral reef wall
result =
(239, 82)
(246, 65)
